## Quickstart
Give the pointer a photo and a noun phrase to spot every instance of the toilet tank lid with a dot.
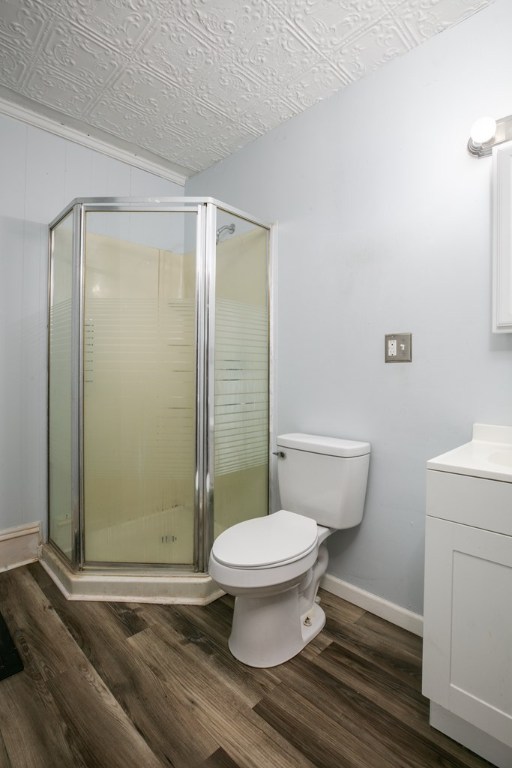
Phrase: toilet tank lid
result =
(331, 446)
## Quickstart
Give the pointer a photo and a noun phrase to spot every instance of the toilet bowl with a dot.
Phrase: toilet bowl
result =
(273, 565)
(268, 564)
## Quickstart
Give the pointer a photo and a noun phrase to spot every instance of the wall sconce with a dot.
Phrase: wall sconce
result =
(487, 132)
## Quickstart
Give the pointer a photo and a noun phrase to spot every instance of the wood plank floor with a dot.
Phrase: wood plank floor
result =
(109, 685)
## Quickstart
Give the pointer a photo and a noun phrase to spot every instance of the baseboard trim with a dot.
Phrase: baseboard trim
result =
(403, 618)
(19, 545)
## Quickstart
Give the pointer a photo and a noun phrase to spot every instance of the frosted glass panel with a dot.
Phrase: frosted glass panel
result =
(59, 388)
(139, 387)
(241, 372)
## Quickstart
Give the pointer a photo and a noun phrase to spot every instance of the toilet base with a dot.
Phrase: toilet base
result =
(268, 631)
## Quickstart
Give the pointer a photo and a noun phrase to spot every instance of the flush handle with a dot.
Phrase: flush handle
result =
(279, 454)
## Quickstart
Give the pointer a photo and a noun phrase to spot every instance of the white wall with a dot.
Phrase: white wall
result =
(384, 226)
(39, 175)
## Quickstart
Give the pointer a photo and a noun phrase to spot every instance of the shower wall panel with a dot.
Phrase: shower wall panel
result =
(60, 472)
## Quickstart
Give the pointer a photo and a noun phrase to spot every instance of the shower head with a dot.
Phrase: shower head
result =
(227, 228)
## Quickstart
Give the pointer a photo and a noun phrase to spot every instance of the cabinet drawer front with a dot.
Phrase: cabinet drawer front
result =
(467, 645)
(469, 500)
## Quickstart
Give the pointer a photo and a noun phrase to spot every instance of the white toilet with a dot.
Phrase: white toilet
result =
(273, 564)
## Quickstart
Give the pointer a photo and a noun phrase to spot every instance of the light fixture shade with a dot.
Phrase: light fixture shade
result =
(483, 131)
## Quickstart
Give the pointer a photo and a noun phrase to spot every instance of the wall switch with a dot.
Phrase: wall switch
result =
(398, 348)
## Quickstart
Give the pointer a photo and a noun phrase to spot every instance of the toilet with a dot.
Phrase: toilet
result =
(273, 565)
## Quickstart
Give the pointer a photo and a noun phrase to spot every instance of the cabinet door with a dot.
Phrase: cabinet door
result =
(467, 647)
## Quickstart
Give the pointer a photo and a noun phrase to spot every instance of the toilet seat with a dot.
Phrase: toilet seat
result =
(266, 542)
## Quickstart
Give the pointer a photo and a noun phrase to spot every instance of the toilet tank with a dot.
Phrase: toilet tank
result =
(323, 478)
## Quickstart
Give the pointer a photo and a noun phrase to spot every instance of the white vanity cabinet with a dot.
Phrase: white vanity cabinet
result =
(467, 645)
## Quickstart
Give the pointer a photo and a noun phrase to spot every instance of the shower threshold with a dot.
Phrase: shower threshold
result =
(142, 586)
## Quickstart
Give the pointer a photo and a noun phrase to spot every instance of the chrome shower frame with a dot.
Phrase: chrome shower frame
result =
(206, 209)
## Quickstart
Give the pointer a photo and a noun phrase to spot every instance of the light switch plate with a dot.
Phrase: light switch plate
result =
(398, 348)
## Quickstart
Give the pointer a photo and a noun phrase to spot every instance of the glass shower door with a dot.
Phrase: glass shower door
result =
(139, 387)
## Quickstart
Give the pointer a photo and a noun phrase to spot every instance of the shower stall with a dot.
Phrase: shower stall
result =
(158, 392)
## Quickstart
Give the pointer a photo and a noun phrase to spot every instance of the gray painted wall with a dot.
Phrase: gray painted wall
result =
(384, 226)
(40, 174)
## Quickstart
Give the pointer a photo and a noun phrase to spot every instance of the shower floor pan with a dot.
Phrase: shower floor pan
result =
(141, 586)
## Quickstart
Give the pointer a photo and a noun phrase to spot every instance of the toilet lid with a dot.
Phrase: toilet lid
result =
(280, 538)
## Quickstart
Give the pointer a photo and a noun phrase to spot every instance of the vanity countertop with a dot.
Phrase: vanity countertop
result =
(488, 455)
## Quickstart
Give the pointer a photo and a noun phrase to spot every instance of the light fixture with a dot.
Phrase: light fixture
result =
(487, 132)
(483, 131)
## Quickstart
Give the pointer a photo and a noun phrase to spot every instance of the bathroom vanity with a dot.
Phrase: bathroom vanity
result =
(467, 650)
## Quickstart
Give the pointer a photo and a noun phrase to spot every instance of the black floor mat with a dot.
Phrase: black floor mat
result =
(10, 660)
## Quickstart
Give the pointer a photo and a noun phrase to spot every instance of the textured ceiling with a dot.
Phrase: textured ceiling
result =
(191, 81)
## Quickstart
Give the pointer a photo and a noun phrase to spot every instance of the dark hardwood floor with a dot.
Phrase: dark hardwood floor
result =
(110, 685)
